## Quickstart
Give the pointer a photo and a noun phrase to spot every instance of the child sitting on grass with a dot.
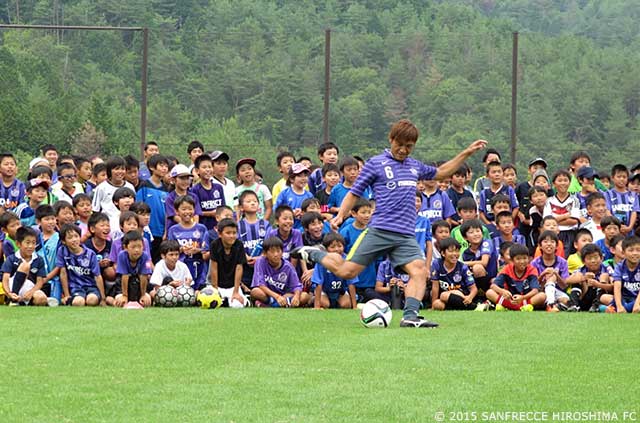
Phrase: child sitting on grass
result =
(169, 270)
(24, 271)
(331, 291)
(133, 268)
(552, 271)
(517, 286)
(275, 282)
(590, 284)
(453, 286)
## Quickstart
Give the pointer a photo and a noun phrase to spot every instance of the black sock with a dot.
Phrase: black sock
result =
(18, 280)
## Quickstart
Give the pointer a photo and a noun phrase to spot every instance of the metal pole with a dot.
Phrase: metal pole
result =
(327, 82)
(143, 97)
(514, 97)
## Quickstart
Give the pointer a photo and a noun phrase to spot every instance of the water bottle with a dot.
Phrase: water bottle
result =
(257, 250)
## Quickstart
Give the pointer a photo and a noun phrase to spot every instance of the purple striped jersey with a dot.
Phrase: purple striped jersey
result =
(293, 240)
(12, 195)
(484, 204)
(250, 234)
(209, 200)
(394, 187)
(622, 204)
(436, 206)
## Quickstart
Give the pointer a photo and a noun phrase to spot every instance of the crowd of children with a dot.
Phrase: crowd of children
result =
(87, 232)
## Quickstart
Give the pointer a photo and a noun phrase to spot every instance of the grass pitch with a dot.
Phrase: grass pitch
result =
(272, 365)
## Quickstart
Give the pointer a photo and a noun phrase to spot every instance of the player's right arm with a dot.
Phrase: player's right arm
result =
(64, 280)
(447, 169)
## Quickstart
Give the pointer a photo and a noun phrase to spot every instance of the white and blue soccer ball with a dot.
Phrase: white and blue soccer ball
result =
(166, 296)
(186, 296)
(376, 314)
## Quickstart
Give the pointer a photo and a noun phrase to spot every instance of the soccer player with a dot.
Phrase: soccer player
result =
(393, 176)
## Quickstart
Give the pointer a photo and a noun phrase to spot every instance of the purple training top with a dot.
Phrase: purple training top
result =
(282, 280)
(394, 188)
(208, 200)
(82, 269)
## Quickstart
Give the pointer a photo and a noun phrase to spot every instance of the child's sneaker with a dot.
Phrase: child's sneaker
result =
(573, 308)
(482, 307)
(500, 307)
(595, 307)
(527, 307)
(551, 308)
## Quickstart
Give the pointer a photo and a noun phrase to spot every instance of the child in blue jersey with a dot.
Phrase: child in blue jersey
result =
(453, 286)
(154, 192)
(625, 279)
(553, 272)
(36, 193)
(49, 240)
(79, 271)
(591, 284)
(100, 243)
(350, 169)
(23, 272)
(506, 231)
(222, 212)
(611, 228)
(190, 235)
(295, 193)
(330, 178)
(9, 223)
(495, 175)
(208, 194)
(329, 290)
(517, 286)
(423, 231)
(82, 206)
(328, 155)
(133, 268)
(499, 203)
(361, 212)
(621, 202)
(275, 282)
(616, 251)
(481, 257)
(251, 232)
(291, 237)
(435, 204)
(12, 190)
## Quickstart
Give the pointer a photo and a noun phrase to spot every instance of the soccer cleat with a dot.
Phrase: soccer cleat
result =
(500, 307)
(303, 252)
(595, 307)
(573, 308)
(562, 307)
(418, 322)
(551, 308)
(527, 307)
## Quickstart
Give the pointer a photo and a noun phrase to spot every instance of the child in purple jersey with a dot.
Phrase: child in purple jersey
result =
(133, 267)
(79, 271)
(591, 284)
(328, 154)
(12, 190)
(181, 178)
(435, 204)
(610, 226)
(100, 244)
(453, 286)
(251, 232)
(626, 288)
(275, 282)
(506, 231)
(621, 202)
(128, 222)
(553, 272)
(291, 238)
(207, 194)
(393, 176)
(480, 256)
(190, 235)
(295, 193)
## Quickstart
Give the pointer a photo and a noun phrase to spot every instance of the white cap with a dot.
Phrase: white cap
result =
(179, 170)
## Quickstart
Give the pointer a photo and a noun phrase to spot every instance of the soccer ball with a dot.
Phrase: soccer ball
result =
(166, 296)
(376, 314)
(209, 297)
(186, 296)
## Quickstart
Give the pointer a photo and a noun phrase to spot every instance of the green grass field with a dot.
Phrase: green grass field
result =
(304, 365)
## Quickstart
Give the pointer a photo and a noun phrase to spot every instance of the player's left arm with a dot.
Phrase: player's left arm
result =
(473, 291)
(447, 169)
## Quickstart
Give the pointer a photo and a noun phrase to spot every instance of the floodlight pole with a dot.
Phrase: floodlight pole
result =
(145, 62)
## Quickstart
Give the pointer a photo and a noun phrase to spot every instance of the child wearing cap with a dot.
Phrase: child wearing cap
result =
(36, 193)
(181, 178)
(295, 193)
(245, 171)
(522, 190)
(220, 167)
